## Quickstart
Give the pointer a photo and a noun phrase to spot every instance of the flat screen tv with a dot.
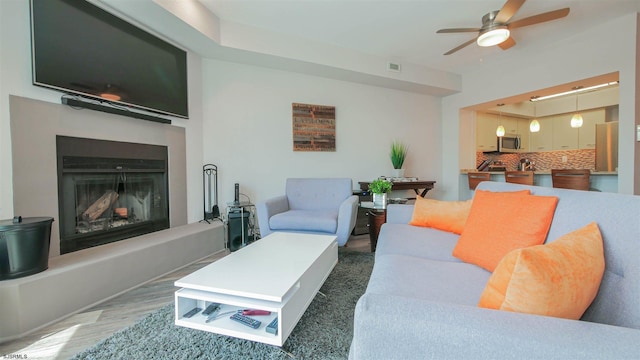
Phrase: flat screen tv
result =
(81, 49)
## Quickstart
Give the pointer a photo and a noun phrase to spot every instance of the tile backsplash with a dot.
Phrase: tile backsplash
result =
(576, 159)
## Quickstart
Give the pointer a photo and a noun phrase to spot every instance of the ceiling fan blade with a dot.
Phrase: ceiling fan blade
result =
(508, 10)
(457, 30)
(460, 47)
(536, 19)
(507, 43)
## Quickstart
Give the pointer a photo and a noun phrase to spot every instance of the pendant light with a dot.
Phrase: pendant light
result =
(534, 125)
(576, 119)
(500, 130)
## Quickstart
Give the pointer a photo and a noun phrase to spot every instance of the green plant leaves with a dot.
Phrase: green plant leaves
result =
(398, 154)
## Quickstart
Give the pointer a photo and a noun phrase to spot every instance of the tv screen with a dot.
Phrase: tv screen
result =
(82, 49)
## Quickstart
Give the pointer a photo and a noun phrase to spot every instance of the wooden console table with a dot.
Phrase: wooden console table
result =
(405, 185)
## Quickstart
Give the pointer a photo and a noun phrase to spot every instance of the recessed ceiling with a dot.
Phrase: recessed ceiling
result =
(405, 31)
(522, 100)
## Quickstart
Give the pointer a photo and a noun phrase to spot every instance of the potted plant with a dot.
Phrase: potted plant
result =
(398, 154)
(380, 188)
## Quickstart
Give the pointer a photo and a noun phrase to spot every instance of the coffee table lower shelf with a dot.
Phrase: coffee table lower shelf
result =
(187, 299)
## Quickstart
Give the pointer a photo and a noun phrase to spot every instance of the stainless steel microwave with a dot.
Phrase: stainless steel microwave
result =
(509, 143)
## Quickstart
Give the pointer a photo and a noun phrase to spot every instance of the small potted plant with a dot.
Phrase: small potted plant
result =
(380, 188)
(398, 154)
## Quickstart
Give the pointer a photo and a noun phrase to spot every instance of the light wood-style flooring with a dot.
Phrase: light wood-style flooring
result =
(78, 332)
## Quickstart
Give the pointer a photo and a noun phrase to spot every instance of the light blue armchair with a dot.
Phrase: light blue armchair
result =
(320, 206)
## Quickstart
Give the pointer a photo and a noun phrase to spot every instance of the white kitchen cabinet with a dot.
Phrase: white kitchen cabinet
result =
(523, 131)
(487, 124)
(587, 133)
(564, 136)
(486, 139)
(510, 125)
(543, 139)
(517, 126)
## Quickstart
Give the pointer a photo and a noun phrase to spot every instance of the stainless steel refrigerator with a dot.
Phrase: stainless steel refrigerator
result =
(607, 146)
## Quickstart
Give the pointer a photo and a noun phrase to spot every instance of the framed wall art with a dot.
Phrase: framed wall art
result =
(314, 127)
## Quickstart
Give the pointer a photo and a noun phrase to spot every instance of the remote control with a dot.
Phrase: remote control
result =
(245, 320)
(272, 328)
(192, 312)
(255, 312)
(211, 308)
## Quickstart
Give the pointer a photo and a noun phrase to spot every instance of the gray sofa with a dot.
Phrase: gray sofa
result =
(421, 302)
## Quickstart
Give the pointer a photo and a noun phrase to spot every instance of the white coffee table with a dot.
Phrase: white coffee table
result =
(280, 273)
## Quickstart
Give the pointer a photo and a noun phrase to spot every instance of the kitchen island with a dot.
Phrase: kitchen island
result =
(605, 181)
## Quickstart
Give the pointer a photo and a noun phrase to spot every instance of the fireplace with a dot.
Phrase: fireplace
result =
(109, 191)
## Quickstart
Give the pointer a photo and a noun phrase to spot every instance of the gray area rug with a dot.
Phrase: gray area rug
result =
(324, 331)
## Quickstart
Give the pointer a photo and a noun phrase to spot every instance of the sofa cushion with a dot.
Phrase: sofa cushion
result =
(617, 218)
(500, 222)
(432, 280)
(443, 215)
(427, 243)
(558, 279)
(305, 220)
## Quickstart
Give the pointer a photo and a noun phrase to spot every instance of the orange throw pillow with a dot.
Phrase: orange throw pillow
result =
(558, 279)
(442, 215)
(500, 222)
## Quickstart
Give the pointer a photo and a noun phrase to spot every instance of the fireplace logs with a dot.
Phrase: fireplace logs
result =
(100, 206)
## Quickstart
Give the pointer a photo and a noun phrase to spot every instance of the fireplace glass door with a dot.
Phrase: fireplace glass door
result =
(105, 200)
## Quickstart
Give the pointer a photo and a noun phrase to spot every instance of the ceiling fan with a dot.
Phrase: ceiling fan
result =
(496, 27)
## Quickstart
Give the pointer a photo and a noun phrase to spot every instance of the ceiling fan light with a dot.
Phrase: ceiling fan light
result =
(493, 36)
(534, 126)
(576, 121)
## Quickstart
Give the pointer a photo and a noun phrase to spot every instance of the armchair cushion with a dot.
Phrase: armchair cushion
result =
(305, 220)
(315, 194)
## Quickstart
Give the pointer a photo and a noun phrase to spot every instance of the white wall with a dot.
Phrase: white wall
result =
(248, 129)
(15, 79)
(600, 50)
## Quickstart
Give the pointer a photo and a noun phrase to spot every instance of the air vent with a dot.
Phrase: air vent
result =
(393, 67)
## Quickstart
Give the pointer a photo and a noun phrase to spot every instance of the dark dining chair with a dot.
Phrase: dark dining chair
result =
(519, 177)
(476, 178)
(577, 179)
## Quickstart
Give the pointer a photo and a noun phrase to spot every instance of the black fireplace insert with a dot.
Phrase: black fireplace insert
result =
(109, 191)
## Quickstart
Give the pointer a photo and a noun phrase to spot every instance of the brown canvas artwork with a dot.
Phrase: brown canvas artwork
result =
(314, 127)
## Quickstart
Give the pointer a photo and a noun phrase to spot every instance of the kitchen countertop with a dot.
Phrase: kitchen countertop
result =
(537, 172)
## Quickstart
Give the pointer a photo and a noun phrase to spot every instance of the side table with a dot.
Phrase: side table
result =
(377, 217)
